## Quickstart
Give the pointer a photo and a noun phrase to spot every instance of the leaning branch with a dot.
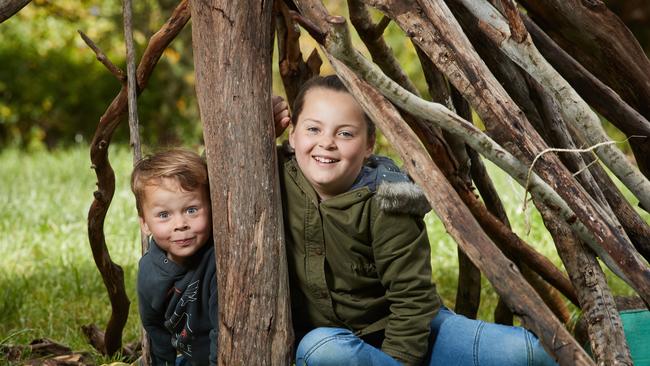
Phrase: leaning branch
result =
(598, 94)
(573, 108)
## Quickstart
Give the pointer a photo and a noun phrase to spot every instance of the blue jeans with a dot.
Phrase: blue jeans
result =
(455, 340)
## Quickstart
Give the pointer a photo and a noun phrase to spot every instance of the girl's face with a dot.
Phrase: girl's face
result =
(330, 139)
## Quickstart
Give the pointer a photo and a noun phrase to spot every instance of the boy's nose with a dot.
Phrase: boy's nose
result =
(181, 225)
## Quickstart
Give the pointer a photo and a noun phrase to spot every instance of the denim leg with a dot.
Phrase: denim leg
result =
(463, 341)
(181, 361)
(337, 346)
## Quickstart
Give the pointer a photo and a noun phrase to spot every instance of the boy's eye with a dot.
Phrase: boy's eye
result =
(163, 215)
(192, 210)
(312, 130)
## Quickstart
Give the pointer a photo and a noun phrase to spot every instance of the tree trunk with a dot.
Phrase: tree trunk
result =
(232, 55)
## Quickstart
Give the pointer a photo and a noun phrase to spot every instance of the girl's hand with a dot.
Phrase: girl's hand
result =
(280, 114)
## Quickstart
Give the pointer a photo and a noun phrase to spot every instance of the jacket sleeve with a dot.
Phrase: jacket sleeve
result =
(161, 350)
(403, 260)
(152, 316)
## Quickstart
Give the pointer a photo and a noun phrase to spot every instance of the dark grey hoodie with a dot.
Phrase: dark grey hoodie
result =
(178, 306)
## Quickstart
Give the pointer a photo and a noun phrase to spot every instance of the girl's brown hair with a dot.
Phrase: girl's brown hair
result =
(330, 82)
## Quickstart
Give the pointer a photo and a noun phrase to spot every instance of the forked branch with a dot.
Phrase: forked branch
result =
(112, 274)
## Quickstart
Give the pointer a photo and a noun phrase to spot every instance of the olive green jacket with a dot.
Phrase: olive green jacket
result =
(355, 265)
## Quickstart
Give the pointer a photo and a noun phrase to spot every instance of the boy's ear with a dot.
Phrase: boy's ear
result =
(143, 226)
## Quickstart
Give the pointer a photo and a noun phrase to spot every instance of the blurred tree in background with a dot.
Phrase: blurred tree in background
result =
(53, 91)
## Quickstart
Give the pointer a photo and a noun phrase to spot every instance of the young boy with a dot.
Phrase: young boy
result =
(358, 253)
(177, 288)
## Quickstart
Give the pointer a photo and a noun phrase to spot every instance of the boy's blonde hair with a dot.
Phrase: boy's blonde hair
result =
(182, 165)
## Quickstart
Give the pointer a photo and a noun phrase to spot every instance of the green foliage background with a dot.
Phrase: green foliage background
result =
(53, 90)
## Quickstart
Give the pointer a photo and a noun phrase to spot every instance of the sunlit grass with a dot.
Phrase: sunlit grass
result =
(50, 285)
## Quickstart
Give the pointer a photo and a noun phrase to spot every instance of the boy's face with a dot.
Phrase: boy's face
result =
(178, 220)
(330, 139)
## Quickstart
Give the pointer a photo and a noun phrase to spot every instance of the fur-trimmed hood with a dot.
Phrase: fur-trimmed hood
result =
(394, 189)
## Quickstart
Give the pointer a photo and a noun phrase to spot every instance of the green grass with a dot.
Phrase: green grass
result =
(48, 280)
(49, 285)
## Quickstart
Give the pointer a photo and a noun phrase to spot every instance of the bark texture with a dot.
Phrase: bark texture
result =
(232, 56)
(604, 324)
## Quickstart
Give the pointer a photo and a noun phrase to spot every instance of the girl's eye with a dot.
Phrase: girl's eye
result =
(163, 215)
(346, 134)
(312, 130)
(192, 210)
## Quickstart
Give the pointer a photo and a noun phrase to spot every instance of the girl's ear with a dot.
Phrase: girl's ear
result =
(371, 146)
(292, 129)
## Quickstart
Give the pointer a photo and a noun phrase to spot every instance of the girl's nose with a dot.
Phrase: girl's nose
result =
(327, 143)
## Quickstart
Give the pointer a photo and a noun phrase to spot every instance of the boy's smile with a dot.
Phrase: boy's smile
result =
(178, 220)
(330, 139)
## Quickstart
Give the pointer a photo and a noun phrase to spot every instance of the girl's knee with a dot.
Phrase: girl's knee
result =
(518, 346)
(538, 355)
(327, 346)
(468, 341)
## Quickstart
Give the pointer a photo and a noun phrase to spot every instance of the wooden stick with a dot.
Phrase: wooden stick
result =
(601, 42)
(604, 323)
(294, 71)
(515, 23)
(371, 35)
(134, 132)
